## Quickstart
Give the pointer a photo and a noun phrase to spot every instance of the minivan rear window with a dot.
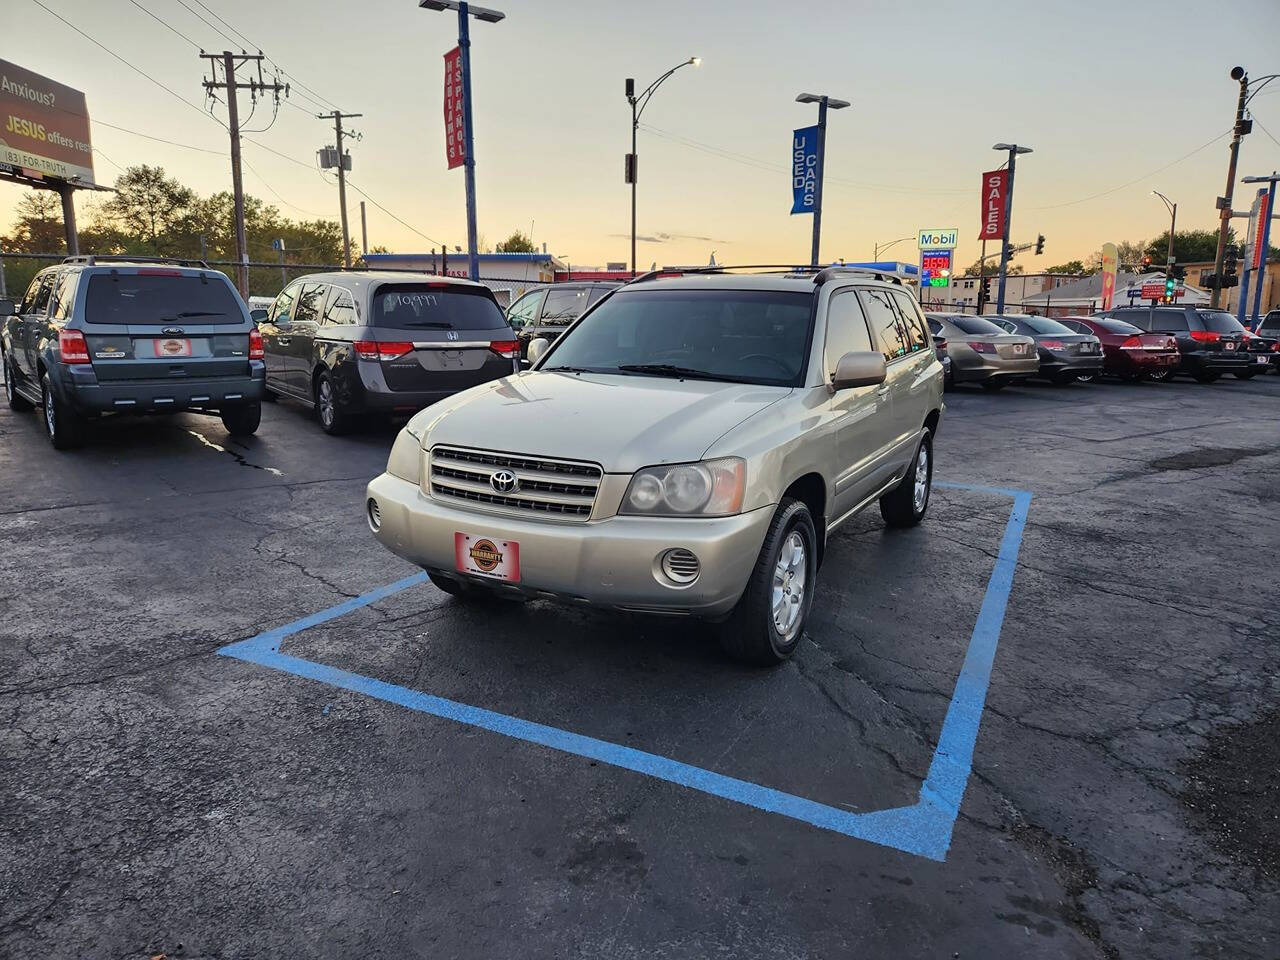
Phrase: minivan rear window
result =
(1219, 321)
(143, 299)
(409, 306)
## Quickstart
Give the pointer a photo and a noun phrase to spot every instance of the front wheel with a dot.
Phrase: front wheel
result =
(332, 420)
(242, 421)
(766, 625)
(64, 426)
(1205, 377)
(1246, 374)
(16, 401)
(905, 505)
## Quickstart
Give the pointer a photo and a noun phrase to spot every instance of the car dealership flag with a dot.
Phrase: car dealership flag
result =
(1110, 266)
(995, 188)
(804, 170)
(455, 144)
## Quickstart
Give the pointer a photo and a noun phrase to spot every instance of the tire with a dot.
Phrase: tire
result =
(1205, 377)
(1086, 377)
(1062, 379)
(64, 426)
(1160, 375)
(992, 386)
(907, 503)
(332, 420)
(1246, 374)
(16, 401)
(751, 633)
(242, 421)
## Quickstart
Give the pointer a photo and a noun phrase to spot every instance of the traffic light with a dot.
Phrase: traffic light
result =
(1178, 272)
(1229, 277)
(1170, 286)
(1039, 244)
(1146, 262)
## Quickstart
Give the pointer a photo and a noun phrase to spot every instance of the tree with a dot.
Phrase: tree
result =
(1073, 267)
(516, 243)
(992, 268)
(1189, 246)
(37, 224)
(148, 205)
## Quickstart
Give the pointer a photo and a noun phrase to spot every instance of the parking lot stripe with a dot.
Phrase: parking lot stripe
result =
(924, 828)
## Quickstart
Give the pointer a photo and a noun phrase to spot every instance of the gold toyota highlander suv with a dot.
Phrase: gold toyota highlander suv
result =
(686, 447)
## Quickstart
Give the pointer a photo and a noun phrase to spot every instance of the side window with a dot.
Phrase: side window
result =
(524, 310)
(310, 300)
(1168, 321)
(935, 327)
(284, 302)
(846, 329)
(62, 294)
(564, 306)
(885, 323)
(1007, 325)
(917, 339)
(42, 295)
(1075, 326)
(341, 308)
(29, 298)
(597, 294)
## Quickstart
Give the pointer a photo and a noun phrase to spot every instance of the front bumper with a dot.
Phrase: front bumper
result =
(614, 562)
(79, 386)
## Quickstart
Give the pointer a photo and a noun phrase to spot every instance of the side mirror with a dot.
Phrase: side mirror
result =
(8, 308)
(537, 348)
(258, 316)
(859, 369)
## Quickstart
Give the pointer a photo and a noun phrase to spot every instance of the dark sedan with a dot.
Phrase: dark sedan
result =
(1210, 342)
(1127, 352)
(1065, 356)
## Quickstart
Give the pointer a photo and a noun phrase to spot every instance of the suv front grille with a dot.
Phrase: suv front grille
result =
(557, 488)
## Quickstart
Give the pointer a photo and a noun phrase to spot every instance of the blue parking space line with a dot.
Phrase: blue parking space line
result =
(923, 828)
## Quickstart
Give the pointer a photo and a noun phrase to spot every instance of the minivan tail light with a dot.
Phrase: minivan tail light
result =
(375, 350)
(1205, 336)
(506, 348)
(255, 346)
(72, 347)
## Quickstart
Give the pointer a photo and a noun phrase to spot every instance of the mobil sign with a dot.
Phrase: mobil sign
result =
(947, 239)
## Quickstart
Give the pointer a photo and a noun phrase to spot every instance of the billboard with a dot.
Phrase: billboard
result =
(44, 127)
(455, 143)
(804, 170)
(995, 187)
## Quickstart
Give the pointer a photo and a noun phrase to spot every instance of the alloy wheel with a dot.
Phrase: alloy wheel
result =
(789, 576)
(920, 496)
(50, 416)
(325, 392)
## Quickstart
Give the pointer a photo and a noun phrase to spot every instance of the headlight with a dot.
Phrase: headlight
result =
(405, 461)
(713, 488)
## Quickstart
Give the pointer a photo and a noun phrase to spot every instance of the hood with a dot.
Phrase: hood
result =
(621, 422)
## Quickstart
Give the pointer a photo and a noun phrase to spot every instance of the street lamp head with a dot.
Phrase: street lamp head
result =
(808, 98)
(1237, 73)
(696, 61)
(480, 13)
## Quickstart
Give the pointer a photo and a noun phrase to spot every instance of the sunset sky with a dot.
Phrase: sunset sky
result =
(1107, 96)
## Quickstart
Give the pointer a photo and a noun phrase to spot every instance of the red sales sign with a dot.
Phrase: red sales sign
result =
(1260, 231)
(995, 187)
(455, 144)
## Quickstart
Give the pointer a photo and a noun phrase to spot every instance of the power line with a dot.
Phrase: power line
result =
(393, 216)
(254, 171)
(195, 13)
(168, 26)
(112, 53)
(147, 136)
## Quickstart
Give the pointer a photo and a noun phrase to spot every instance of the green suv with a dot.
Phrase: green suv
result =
(96, 336)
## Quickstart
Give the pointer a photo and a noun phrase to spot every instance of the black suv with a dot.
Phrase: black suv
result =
(365, 342)
(1210, 342)
(547, 313)
(109, 335)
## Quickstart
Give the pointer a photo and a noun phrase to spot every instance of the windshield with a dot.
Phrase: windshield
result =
(436, 307)
(746, 336)
(1044, 325)
(159, 299)
(976, 325)
(1219, 321)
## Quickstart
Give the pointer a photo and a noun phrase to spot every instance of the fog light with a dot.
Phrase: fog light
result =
(680, 566)
(375, 515)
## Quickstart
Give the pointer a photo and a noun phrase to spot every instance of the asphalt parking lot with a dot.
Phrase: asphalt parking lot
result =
(157, 797)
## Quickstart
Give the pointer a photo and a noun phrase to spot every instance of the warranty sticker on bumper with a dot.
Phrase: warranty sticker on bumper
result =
(487, 557)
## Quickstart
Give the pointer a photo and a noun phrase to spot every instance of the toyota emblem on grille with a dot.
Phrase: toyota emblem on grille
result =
(504, 481)
(451, 335)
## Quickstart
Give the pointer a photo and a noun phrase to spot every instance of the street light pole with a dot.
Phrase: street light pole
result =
(1224, 202)
(1014, 150)
(1173, 223)
(823, 101)
(638, 103)
(1264, 226)
(465, 12)
(878, 249)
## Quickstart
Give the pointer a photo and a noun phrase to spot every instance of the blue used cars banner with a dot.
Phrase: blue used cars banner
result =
(804, 169)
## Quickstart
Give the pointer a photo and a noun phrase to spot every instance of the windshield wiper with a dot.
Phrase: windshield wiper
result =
(671, 370)
(570, 369)
(196, 313)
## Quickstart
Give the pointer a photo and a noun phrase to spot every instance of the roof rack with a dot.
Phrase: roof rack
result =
(820, 274)
(94, 258)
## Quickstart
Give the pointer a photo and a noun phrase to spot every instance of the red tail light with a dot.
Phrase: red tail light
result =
(1205, 336)
(255, 346)
(71, 347)
(1132, 343)
(158, 272)
(1275, 347)
(506, 348)
(373, 350)
(1052, 344)
(981, 346)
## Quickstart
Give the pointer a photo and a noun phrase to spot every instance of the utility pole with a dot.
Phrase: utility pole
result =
(364, 232)
(1014, 150)
(823, 101)
(230, 62)
(1224, 203)
(343, 163)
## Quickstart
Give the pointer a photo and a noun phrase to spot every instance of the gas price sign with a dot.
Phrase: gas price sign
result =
(935, 268)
